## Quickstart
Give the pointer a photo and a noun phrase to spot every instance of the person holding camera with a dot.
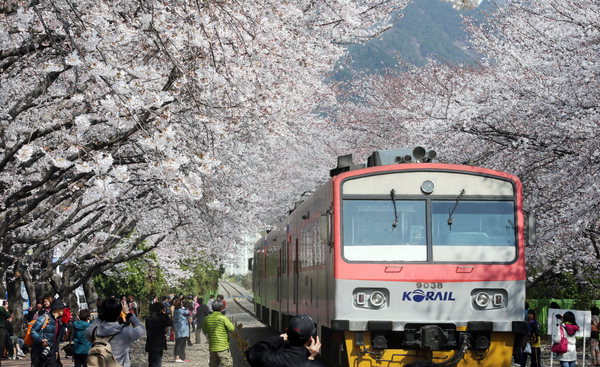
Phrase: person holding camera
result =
(47, 332)
(123, 335)
(156, 340)
(181, 324)
(298, 346)
(567, 329)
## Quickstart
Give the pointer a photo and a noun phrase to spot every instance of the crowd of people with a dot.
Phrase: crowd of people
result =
(50, 324)
(179, 318)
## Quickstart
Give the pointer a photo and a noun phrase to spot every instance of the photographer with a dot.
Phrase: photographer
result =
(122, 335)
(297, 347)
(47, 332)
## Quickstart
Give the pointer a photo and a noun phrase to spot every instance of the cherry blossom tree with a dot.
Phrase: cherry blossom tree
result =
(131, 127)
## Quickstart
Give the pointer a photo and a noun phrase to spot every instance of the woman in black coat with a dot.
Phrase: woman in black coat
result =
(156, 341)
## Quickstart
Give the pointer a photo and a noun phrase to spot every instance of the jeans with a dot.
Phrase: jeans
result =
(155, 358)
(568, 364)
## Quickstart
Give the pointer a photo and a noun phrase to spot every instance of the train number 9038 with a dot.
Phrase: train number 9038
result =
(430, 285)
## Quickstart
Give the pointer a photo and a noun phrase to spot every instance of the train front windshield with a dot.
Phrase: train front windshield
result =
(399, 231)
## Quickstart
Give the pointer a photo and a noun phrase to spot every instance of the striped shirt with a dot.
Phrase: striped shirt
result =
(216, 326)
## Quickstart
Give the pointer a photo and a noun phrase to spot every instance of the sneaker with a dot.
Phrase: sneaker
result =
(179, 361)
(20, 354)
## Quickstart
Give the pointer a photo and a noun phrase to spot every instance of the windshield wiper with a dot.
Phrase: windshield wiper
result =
(450, 220)
(393, 195)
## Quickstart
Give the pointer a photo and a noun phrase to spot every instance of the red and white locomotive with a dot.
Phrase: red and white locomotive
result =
(400, 261)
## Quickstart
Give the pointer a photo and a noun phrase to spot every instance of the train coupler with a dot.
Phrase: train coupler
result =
(460, 353)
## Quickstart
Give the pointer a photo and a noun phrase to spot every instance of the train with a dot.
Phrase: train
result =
(401, 260)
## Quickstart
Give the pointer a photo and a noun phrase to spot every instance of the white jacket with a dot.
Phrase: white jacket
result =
(571, 354)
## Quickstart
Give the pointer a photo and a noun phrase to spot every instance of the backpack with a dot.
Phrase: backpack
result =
(100, 355)
(28, 339)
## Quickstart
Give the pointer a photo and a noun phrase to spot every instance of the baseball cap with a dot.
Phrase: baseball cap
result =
(301, 327)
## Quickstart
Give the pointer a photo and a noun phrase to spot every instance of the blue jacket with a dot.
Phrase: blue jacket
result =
(81, 344)
(49, 333)
(180, 323)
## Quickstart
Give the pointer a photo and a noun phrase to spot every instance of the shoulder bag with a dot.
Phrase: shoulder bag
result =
(563, 345)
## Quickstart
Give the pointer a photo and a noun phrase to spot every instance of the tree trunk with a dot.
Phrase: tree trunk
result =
(71, 301)
(91, 296)
(15, 299)
(2, 283)
(43, 286)
(30, 287)
(44, 289)
(68, 297)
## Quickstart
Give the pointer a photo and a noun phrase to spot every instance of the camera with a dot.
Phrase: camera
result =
(45, 351)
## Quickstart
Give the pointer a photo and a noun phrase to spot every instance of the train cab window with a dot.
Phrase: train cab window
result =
(473, 231)
(378, 230)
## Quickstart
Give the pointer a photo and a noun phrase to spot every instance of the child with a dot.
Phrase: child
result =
(81, 345)
(533, 338)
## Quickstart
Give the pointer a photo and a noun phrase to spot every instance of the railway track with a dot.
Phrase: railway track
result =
(235, 294)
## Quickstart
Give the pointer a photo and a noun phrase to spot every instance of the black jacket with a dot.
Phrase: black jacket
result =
(201, 313)
(155, 332)
(275, 352)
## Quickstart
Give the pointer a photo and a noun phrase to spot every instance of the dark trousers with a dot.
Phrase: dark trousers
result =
(155, 358)
(79, 360)
(536, 357)
(518, 349)
(198, 333)
(179, 349)
(50, 361)
(3, 341)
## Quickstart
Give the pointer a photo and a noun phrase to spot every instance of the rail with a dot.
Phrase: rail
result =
(225, 285)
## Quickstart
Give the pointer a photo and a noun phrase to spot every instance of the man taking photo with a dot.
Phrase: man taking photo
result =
(298, 346)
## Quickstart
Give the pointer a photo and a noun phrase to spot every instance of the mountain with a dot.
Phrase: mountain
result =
(428, 29)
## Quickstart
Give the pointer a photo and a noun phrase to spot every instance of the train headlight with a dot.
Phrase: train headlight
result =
(377, 299)
(371, 298)
(489, 299)
(482, 299)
